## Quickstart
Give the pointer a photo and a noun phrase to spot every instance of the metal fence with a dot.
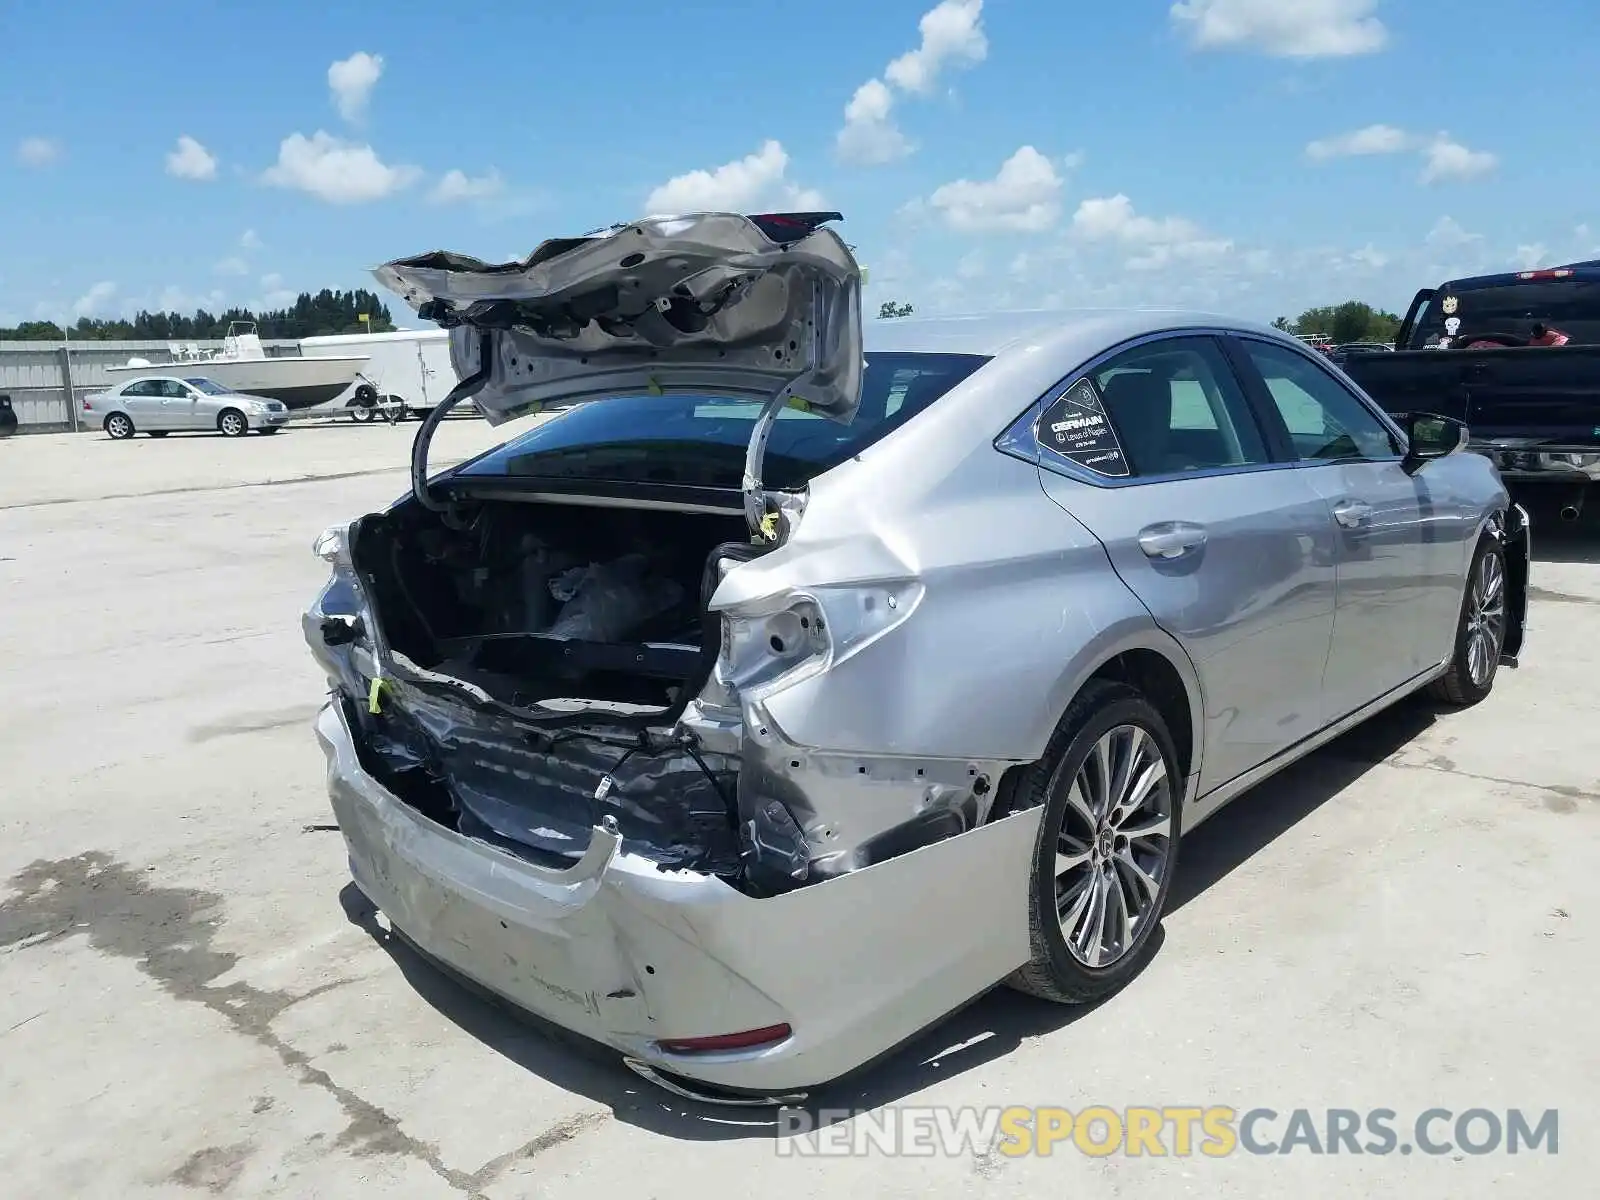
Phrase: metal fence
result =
(38, 375)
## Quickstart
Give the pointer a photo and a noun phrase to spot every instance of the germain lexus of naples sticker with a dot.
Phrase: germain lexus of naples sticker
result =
(1450, 305)
(1075, 427)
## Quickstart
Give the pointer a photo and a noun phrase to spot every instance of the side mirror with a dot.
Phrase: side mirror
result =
(1429, 437)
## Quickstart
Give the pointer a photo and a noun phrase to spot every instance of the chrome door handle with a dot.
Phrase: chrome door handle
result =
(1171, 539)
(1352, 514)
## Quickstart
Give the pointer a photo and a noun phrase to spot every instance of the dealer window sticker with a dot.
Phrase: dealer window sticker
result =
(1076, 427)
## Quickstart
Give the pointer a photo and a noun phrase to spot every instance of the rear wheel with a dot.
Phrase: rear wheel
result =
(1111, 787)
(1480, 631)
(232, 423)
(119, 426)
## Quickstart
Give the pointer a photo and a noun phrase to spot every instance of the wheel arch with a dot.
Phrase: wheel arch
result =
(1145, 657)
(238, 412)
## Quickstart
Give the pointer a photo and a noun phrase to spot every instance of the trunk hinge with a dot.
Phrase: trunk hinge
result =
(763, 521)
(465, 390)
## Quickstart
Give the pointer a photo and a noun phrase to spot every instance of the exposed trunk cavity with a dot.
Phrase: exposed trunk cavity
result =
(580, 634)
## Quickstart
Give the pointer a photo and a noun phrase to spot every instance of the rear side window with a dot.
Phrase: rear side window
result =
(1164, 408)
(1511, 309)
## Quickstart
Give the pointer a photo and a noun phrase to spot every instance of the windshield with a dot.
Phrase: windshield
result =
(700, 440)
(1512, 309)
(209, 386)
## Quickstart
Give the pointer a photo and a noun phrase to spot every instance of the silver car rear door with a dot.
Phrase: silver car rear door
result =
(1157, 450)
(142, 400)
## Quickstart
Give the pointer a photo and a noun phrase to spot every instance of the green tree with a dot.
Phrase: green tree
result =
(311, 315)
(1352, 321)
(890, 309)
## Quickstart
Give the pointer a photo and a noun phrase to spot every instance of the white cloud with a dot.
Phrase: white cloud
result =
(96, 301)
(870, 136)
(1023, 197)
(351, 81)
(951, 36)
(249, 240)
(1448, 233)
(1156, 241)
(233, 266)
(1283, 28)
(38, 151)
(743, 185)
(1374, 139)
(1449, 160)
(336, 171)
(455, 186)
(1530, 257)
(972, 266)
(1371, 257)
(191, 160)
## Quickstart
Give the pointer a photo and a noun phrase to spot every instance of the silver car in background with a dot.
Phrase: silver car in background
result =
(805, 679)
(163, 404)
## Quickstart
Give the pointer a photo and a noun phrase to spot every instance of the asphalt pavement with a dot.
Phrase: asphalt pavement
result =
(193, 1001)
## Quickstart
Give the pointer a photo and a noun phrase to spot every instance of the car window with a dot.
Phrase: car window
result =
(209, 387)
(1164, 408)
(701, 440)
(143, 387)
(174, 390)
(1326, 422)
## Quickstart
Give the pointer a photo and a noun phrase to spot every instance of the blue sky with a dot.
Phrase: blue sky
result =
(1252, 156)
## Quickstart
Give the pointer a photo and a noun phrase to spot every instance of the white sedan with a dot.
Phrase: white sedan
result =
(162, 404)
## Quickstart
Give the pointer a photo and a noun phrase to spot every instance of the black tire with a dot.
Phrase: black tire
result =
(361, 414)
(1458, 686)
(119, 427)
(158, 433)
(232, 423)
(1054, 973)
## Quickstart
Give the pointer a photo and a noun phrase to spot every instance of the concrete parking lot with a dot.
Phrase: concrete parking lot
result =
(192, 1001)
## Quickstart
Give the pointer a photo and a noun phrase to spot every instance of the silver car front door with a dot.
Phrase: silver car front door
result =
(1399, 557)
(177, 405)
(1159, 453)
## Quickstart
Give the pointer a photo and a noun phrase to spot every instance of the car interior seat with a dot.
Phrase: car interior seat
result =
(1140, 406)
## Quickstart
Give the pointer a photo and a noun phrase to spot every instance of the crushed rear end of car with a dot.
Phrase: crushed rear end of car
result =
(549, 746)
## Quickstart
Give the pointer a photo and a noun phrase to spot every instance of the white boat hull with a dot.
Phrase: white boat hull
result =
(300, 383)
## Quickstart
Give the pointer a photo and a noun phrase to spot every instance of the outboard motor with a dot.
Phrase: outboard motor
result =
(8, 417)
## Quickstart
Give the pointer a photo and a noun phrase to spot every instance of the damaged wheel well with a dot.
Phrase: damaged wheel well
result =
(1159, 681)
(1153, 675)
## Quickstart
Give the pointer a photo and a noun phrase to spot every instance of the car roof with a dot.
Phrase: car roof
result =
(1058, 331)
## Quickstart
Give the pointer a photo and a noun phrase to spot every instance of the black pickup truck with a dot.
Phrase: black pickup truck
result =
(1515, 356)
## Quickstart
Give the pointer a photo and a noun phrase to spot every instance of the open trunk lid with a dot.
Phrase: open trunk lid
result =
(765, 307)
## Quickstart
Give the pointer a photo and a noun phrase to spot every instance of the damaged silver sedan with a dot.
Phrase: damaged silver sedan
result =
(799, 680)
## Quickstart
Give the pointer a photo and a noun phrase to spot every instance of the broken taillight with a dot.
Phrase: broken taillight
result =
(750, 1039)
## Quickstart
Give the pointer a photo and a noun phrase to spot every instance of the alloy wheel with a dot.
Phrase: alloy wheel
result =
(1113, 848)
(232, 424)
(1486, 618)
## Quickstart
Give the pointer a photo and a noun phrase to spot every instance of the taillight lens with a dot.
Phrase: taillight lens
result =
(750, 1039)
